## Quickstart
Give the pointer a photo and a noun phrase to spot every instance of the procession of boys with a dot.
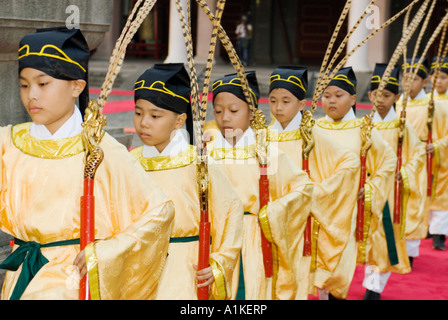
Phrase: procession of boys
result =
(234, 208)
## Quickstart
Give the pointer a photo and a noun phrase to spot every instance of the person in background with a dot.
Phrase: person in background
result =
(244, 39)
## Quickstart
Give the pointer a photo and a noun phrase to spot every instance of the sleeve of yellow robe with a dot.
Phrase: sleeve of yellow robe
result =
(381, 163)
(414, 154)
(227, 231)
(413, 158)
(332, 169)
(128, 264)
(3, 135)
(440, 126)
(285, 217)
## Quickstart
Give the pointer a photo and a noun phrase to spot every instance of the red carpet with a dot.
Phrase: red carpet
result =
(427, 281)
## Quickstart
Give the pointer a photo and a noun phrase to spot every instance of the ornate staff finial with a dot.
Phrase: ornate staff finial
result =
(92, 131)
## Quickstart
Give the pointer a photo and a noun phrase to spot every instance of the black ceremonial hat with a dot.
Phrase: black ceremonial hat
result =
(61, 53)
(292, 78)
(392, 84)
(345, 79)
(443, 65)
(422, 70)
(232, 83)
(167, 86)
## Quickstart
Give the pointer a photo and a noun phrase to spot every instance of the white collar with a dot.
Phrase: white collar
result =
(178, 143)
(420, 95)
(71, 128)
(391, 115)
(350, 115)
(294, 124)
(246, 139)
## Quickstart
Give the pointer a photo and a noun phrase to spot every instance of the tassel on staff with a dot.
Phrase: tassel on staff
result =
(92, 132)
(439, 28)
(408, 31)
(260, 127)
(326, 73)
(199, 117)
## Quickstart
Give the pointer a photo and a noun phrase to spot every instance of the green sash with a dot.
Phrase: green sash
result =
(184, 239)
(28, 255)
(390, 238)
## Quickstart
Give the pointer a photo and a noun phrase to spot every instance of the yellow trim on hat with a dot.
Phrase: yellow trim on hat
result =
(49, 55)
(408, 66)
(437, 65)
(343, 77)
(222, 83)
(392, 80)
(164, 89)
(299, 83)
(375, 79)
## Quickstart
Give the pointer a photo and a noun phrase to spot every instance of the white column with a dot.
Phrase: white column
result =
(381, 40)
(204, 29)
(359, 61)
(177, 51)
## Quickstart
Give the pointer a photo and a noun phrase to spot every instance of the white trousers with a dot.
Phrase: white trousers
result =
(438, 222)
(373, 280)
(412, 247)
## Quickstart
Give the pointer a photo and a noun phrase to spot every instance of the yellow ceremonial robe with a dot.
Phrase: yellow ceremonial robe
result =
(41, 185)
(176, 174)
(417, 115)
(283, 220)
(380, 164)
(332, 169)
(413, 195)
(441, 97)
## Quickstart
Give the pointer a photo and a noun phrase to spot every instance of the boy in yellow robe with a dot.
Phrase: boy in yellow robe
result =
(332, 168)
(387, 250)
(342, 126)
(441, 85)
(162, 96)
(436, 220)
(283, 219)
(41, 184)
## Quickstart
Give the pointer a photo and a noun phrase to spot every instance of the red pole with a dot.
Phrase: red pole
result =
(360, 217)
(204, 250)
(397, 198)
(307, 234)
(87, 230)
(264, 200)
(204, 225)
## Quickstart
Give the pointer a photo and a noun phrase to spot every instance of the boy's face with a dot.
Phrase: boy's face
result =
(155, 125)
(441, 83)
(385, 101)
(284, 105)
(232, 115)
(416, 86)
(49, 101)
(336, 102)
